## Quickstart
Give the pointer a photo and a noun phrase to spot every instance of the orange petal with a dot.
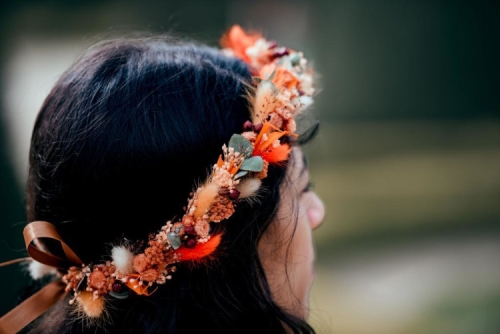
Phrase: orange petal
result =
(285, 78)
(234, 168)
(220, 162)
(265, 129)
(200, 251)
(271, 138)
(238, 40)
(263, 147)
(275, 155)
(133, 284)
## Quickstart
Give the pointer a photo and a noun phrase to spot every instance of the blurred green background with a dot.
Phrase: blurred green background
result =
(407, 160)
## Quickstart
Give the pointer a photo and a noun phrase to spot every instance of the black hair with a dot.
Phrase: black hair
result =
(115, 152)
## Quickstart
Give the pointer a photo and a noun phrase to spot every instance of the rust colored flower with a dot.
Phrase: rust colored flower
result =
(97, 280)
(140, 263)
(202, 228)
(222, 209)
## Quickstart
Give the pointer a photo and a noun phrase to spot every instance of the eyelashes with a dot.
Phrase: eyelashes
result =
(308, 187)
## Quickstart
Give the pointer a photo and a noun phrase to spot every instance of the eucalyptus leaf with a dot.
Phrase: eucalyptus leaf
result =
(241, 173)
(174, 240)
(241, 144)
(119, 295)
(295, 59)
(253, 164)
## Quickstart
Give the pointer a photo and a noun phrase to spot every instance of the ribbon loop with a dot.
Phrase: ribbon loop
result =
(34, 232)
(36, 305)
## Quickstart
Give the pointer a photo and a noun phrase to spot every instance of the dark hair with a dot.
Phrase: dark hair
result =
(115, 150)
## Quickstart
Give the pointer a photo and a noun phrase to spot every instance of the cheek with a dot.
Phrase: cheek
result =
(302, 242)
(301, 268)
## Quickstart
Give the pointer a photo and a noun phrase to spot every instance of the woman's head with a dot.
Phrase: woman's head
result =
(124, 134)
(117, 147)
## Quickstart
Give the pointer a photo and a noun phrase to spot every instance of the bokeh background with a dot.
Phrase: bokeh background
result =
(407, 160)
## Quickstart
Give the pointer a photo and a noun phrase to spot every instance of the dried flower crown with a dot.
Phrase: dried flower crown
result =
(283, 88)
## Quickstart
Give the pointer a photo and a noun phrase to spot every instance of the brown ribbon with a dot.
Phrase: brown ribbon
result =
(30, 309)
(8, 263)
(24, 313)
(34, 232)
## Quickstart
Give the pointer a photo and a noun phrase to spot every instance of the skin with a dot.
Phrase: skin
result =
(286, 249)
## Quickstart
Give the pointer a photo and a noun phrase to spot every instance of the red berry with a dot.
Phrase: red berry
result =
(189, 230)
(117, 287)
(234, 194)
(190, 243)
(224, 191)
(247, 126)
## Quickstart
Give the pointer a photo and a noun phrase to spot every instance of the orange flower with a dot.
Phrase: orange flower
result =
(238, 40)
(283, 78)
(265, 148)
(97, 280)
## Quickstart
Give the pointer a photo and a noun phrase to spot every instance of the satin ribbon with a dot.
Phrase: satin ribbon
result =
(33, 307)
(33, 235)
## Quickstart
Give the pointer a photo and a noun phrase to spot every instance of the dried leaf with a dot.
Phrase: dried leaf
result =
(240, 174)
(241, 144)
(253, 164)
(174, 240)
(295, 59)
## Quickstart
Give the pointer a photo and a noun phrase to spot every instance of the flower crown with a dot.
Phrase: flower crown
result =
(282, 89)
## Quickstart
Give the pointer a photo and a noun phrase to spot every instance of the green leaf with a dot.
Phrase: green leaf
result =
(241, 173)
(241, 144)
(253, 164)
(295, 59)
(174, 240)
(119, 295)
